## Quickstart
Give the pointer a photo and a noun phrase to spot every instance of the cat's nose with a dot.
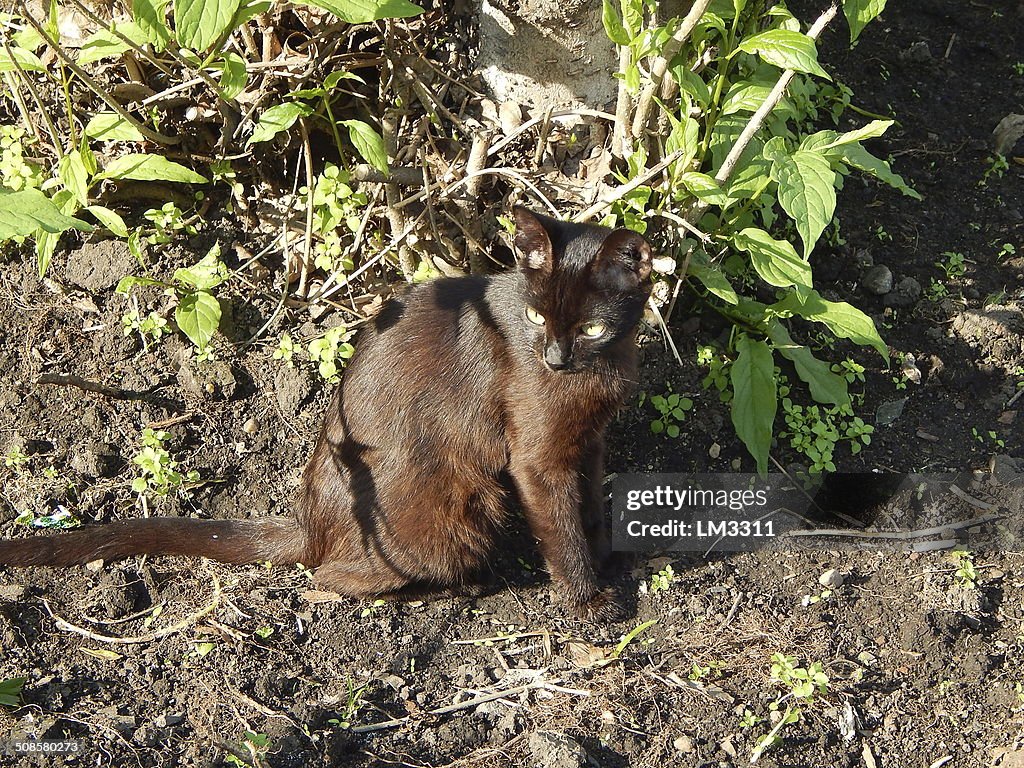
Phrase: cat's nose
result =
(556, 358)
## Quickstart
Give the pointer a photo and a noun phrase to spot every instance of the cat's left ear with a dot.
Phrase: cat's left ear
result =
(623, 262)
(532, 242)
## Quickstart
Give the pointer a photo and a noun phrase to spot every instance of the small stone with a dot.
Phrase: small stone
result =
(683, 744)
(715, 451)
(878, 280)
(94, 565)
(832, 579)
(251, 426)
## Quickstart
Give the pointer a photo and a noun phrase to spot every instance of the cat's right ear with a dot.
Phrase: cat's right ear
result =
(532, 243)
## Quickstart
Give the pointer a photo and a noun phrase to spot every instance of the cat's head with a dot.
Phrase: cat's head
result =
(583, 288)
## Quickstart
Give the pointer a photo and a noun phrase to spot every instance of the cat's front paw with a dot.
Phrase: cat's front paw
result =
(605, 606)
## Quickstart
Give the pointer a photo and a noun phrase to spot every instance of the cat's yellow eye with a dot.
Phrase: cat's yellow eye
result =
(593, 330)
(534, 316)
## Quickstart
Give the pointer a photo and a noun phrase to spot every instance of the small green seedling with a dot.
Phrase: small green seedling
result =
(15, 458)
(168, 221)
(672, 409)
(802, 682)
(285, 349)
(990, 437)
(158, 472)
(662, 580)
(152, 327)
(965, 570)
(329, 350)
(353, 703)
(198, 312)
(953, 265)
(372, 608)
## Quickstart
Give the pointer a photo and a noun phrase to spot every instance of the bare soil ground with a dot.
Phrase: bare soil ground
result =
(923, 668)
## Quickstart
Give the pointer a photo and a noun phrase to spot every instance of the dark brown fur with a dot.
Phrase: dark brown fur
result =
(452, 399)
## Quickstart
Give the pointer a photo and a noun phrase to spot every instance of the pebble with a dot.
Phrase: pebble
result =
(251, 426)
(683, 744)
(832, 579)
(878, 280)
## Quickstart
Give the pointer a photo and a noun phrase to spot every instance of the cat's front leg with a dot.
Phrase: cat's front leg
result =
(552, 499)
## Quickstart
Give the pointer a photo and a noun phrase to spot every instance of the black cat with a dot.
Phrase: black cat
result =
(457, 391)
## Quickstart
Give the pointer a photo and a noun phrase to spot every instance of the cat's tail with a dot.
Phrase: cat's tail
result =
(275, 539)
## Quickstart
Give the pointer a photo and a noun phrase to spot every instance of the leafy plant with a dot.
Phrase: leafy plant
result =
(965, 570)
(336, 208)
(741, 168)
(953, 265)
(672, 409)
(198, 311)
(329, 350)
(158, 472)
(353, 703)
(15, 458)
(151, 328)
(662, 580)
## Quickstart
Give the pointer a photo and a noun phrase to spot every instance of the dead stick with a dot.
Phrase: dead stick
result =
(93, 386)
(660, 65)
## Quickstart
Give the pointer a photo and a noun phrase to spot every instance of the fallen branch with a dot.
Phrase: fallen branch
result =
(94, 386)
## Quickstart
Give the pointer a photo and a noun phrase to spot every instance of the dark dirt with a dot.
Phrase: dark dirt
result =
(923, 669)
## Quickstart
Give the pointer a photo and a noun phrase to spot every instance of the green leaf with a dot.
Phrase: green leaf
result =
(142, 167)
(368, 144)
(199, 24)
(332, 80)
(363, 11)
(859, 13)
(613, 25)
(775, 261)
(110, 126)
(233, 75)
(73, 174)
(704, 187)
(806, 193)
(109, 219)
(872, 130)
(207, 273)
(20, 57)
(748, 96)
(787, 49)
(103, 43)
(151, 16)
(858, 157)
(691, 83)
(844, 320)
(10, 691)
(24, 213)
(754, 398)
(715, 281)
(279, 117)
(826, 387)
(198, 316)
(685, 136)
